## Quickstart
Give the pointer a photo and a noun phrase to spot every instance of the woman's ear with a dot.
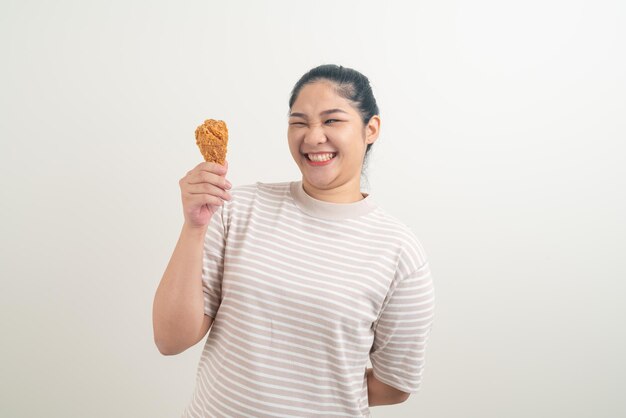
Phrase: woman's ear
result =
(372, 129)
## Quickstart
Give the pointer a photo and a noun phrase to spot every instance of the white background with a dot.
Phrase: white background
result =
(502, 147)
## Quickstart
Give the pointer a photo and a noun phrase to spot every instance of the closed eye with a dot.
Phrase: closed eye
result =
(296, 123)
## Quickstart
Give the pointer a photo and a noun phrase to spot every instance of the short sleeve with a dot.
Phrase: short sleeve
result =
(213, 263)
(402, 331)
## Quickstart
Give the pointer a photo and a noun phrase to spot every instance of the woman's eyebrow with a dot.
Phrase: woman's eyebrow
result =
(325, 112)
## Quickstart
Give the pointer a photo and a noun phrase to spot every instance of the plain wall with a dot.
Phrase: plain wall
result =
(502, 146)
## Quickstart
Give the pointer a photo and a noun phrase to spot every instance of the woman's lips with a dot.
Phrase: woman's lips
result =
(320, 163)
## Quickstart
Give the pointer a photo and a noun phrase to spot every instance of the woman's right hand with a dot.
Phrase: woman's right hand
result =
(203, 189)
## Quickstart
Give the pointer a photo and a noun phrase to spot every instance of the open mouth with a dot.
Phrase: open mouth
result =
(320, 158)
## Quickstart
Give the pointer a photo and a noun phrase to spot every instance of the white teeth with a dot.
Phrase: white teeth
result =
(320, 157)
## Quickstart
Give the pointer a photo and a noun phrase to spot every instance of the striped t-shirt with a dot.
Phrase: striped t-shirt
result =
(303, 293)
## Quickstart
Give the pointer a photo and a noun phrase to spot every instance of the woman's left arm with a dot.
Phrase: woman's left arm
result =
(380, 393)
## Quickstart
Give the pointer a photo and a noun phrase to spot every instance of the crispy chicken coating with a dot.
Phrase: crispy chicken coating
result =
(212, 139)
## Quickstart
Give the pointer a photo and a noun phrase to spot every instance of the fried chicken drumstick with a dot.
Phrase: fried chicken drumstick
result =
(212, 139)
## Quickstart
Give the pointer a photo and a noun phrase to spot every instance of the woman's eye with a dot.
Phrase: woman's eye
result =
(331, 120)
(297, 123)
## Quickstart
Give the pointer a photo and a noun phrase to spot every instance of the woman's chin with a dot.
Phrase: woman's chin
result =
(318, 181)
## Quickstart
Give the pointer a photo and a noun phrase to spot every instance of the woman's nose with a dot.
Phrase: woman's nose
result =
(315, 135)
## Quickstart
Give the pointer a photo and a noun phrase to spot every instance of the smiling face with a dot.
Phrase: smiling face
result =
(322, 122)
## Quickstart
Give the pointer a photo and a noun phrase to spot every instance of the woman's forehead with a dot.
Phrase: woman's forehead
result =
(320, 96)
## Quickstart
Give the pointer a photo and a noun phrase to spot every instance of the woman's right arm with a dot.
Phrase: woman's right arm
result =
(178, 315)
(178, 310)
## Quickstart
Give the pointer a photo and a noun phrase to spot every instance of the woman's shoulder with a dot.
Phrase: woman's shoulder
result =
(392, 222)
(259, 185)
(248, 192)
(412, 252)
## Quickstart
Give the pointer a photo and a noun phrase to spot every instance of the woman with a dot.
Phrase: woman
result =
(301, 281)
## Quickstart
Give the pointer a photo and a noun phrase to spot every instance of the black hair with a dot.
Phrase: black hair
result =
(350, 84)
